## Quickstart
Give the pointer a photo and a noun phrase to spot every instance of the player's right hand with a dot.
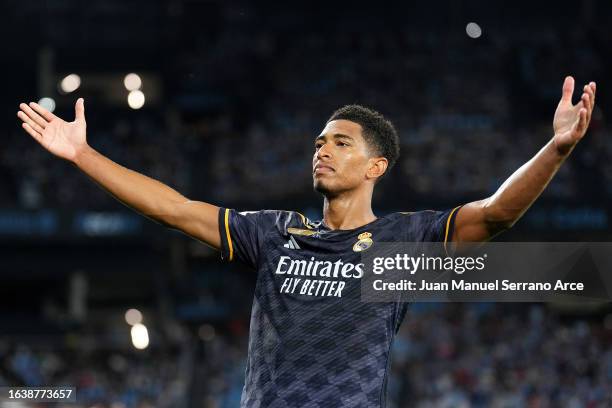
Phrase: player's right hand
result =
(63, 139)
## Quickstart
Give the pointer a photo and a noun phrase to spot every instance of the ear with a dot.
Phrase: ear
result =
(377, 167)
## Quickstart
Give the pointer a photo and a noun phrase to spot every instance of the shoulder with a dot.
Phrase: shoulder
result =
(426, 225)
(404, 219)
(423, 215)
(412, 216)
(271, 219)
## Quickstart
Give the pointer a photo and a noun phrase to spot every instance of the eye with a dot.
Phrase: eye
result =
(339, 143)
(318, 146)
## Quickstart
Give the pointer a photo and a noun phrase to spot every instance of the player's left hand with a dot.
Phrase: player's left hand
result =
(571, 121)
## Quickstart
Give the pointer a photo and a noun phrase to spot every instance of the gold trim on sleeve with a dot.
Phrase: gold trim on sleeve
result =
(448, 220)
(229, 237)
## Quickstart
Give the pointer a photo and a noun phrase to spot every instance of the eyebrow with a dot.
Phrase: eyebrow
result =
(335, 136)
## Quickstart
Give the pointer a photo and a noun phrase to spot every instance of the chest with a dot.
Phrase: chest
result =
(309, 264)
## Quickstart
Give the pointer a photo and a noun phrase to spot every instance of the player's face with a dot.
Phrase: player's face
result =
(341, 158)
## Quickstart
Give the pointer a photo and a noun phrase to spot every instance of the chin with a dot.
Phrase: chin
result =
(325, 188)
(321, 187)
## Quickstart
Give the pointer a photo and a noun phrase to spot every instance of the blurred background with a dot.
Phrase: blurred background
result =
(222, 101)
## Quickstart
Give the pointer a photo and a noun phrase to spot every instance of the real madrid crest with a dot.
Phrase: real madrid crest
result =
(365, 242)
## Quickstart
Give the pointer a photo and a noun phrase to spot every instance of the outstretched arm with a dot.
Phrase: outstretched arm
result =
(149, 197)
(481, 220)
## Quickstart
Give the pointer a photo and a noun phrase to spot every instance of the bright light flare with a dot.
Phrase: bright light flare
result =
(136, 99)
(473, 30)
(140, 336)
(133, 316)
(47, 103)
(70, 83)
(132, 82)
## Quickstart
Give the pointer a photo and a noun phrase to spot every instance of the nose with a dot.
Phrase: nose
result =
(323, 152)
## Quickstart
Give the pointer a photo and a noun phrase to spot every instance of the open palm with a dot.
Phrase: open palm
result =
(572, 121)
(63, 139)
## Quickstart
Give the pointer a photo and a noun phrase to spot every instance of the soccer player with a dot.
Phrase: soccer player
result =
(313, 343)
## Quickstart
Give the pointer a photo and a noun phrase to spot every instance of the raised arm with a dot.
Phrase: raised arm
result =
(149, 197)
(481, 220)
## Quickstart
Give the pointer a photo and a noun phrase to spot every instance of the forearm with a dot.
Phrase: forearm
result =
(144, 194)
(481, 220)
(523, 187)
(68, 140)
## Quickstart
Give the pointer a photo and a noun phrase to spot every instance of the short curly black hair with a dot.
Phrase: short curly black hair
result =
(378, 132)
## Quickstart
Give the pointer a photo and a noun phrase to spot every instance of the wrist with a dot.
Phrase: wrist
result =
(561, 150)
(80, 154)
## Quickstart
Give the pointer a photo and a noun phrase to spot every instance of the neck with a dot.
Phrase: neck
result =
(348, 211)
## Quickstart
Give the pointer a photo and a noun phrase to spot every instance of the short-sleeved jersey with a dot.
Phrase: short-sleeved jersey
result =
(313, 343)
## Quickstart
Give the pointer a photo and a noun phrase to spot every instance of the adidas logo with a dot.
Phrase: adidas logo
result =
(292, 244)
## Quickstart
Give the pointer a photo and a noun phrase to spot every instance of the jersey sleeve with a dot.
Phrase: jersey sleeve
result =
(432, 226)
(440, 225)
(242, 234)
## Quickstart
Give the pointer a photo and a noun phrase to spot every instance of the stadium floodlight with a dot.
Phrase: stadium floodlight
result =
(47, 103)
(132, 82)
(70, 83)
(133, 316)
(136, 99)
(473, 30)
(140, 336)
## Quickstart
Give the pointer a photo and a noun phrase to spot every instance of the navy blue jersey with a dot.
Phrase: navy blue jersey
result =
(313, 343)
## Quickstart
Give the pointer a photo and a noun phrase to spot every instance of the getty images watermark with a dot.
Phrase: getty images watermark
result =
(502, 271)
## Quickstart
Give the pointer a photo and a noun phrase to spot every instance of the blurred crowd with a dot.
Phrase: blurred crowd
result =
(468, 116)
(102, 379)
(445, 355)
(244, 92)
(501, 356)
